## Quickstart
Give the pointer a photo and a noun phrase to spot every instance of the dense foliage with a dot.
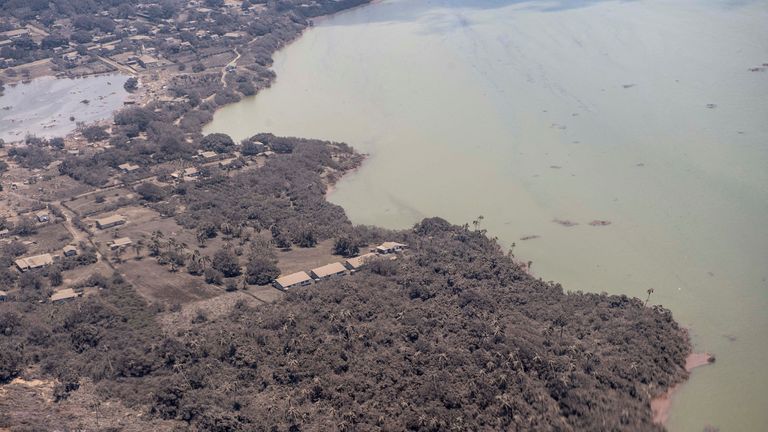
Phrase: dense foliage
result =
(455, 336)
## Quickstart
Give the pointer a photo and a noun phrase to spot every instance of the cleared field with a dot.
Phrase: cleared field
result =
(49, 238)
(87, 205)
(157, 284)
(298, 259)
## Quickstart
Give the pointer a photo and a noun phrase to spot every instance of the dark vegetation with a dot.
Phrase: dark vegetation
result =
(287, 195)
(454, 336)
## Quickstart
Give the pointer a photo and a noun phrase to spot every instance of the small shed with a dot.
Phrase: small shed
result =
(64, 295)
(293, 280)
(42, 216)
(69, 250)
(120, 243)
(110, 221)
(128, 167)
(3, 296)
(390, 247)
(328, 271)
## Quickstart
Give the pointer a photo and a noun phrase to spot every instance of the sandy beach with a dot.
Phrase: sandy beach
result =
(662, 404)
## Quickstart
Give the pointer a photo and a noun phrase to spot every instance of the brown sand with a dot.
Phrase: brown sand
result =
(661, 404)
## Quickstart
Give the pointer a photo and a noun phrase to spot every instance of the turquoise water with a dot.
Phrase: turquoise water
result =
(642, 113)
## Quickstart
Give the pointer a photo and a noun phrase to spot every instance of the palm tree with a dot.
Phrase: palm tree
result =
(137, 247)
(650, 291)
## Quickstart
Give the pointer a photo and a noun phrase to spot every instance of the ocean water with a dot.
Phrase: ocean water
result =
(43, 106)
(644, 114)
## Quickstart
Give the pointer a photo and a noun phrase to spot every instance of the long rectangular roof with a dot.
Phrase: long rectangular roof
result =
(35, 261)
(293, 279)
(64, 294)
(329, 270)
(361, 260)
(110, 219)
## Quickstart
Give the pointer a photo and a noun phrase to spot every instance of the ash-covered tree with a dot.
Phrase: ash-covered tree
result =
(261, 270)
(131, 84)
(345, 246)
(218, 142)
(306, 239)
(225, 261)
(280, 240)
(95, 133)
(151, 192)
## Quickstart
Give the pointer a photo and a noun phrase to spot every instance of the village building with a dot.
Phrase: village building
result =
(328, 271)
(42, 216)
(128, 167)
(293, 280)
(110, 221)
(34, 262)
(390, 247)
(359, 262)
(120, 243)
(3, 296)
(64, 295)
(148, 62)
(69, 251)
(208, 154)
(186, 172)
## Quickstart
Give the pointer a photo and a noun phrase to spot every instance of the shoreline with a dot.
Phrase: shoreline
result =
(661, 405)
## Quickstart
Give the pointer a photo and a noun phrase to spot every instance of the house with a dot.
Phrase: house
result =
(42, 216)
(3, 296)
(148, 62)
(120, 243)
(359, 262)
(110, 221)
(34, 262)
(69, 250)
(186, 172)
(293, 280)
(64, 295)
(128, 167)
(208, 154)
(328, 271)
(390, 247)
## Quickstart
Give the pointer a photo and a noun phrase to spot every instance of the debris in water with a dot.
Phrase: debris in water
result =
(565, 222)
(530, 237)
(626, 86)
(555, 166)
(711, 106)
(598, 222)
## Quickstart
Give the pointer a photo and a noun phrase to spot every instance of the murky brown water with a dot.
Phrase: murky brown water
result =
(641, 113)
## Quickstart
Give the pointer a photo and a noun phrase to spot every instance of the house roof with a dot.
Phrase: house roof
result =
(42, 213)
(65, 294)
(329, 270)
(35, 261)
(122, 241)
(390, 245)
(110, 219)
(208, 154)
(68, 248)
(293, 279)
(361, 260)
(3, 293)
(128, 166)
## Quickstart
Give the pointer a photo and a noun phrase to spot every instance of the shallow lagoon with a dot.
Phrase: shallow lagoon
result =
(43, 107)
(644, 114)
